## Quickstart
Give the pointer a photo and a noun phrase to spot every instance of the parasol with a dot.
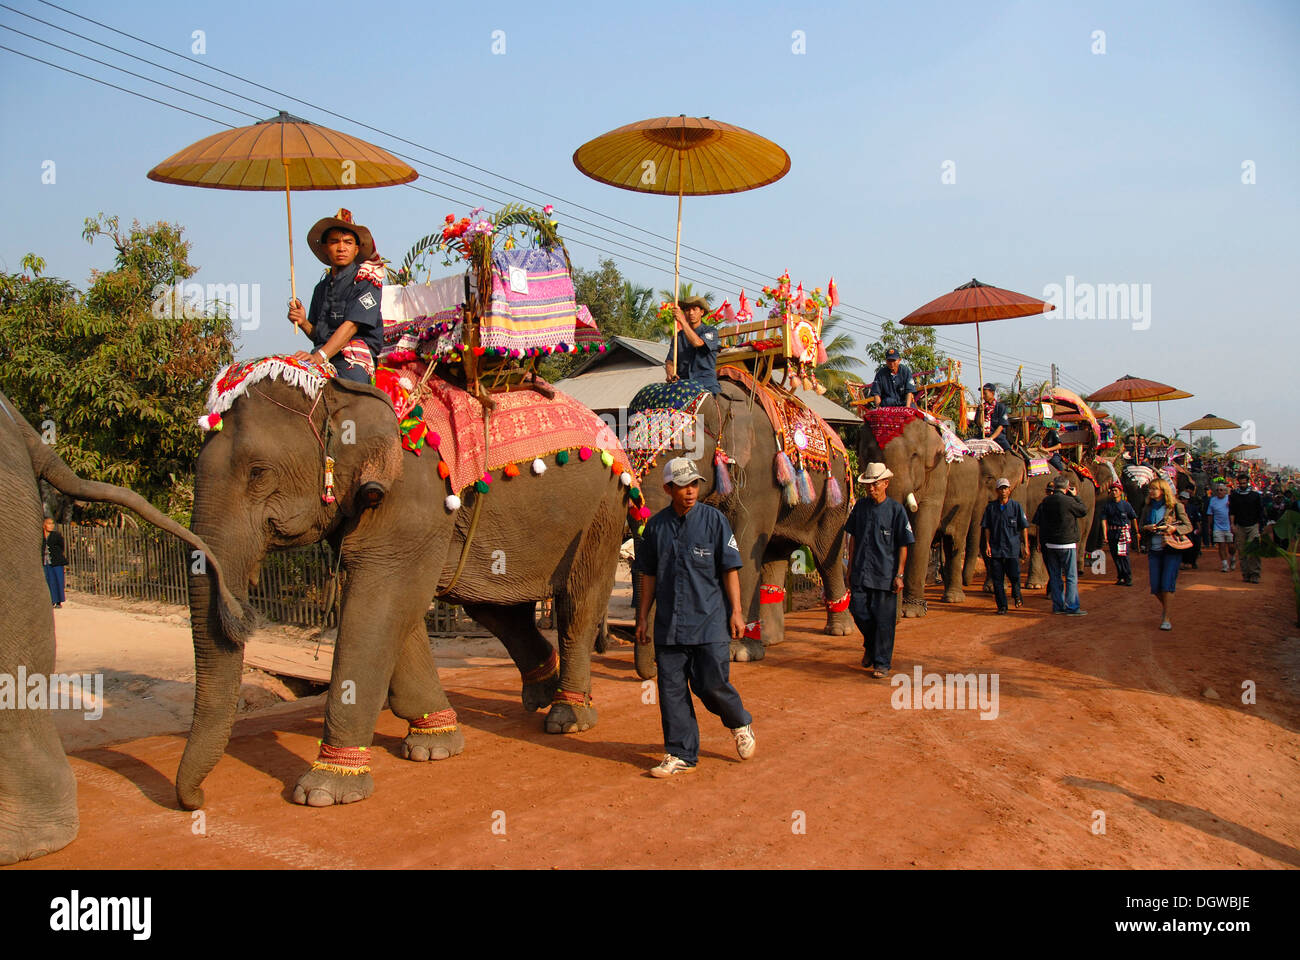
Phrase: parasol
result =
(1172, 395)
(1133, 389)
(283, 153)
(1211, 422)
(686, 156)
(1243, 447)
(975, 303)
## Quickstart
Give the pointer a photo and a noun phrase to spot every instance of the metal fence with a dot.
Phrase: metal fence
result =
(294, 586)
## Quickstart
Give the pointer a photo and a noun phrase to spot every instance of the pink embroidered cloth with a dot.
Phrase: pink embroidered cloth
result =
(524, 425)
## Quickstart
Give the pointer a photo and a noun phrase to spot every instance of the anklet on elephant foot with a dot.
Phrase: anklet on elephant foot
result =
(575, 699)
(348, 761)
(545, 670)
(837, 606)
(444, 721)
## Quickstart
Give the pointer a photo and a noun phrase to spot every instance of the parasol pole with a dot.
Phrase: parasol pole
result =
(288, 209)
(677, 247)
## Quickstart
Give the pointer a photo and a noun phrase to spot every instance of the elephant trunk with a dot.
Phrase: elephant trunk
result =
(218, 669)
(51, 468)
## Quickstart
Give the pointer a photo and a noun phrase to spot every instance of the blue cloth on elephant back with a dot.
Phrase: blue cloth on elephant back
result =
(674, 395)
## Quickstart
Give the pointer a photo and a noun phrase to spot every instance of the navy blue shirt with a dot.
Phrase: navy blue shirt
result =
(892, 388)
(345, 298)
(1116, 514)
(699, 363)
(688, 556)
(998, 419)
(1004, 522)
(879, 532)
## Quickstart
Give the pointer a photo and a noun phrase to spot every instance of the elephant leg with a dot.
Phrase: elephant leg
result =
(924, 522)
(38, 793)
(771, 605)
(415, 694)
(375, 620)
(750, 646)
(580, 609)
(1037, 571)
(538, 662)
(830, 565)
(954, 556)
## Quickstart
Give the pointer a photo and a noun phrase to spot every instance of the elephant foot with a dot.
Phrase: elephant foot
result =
(30, 842)
(566, 716)
(420, 747)
(1036, 584)
(953, 594)
(745, 650)
(321, 787)
(538, 694)
(913, 609)
(839, 625)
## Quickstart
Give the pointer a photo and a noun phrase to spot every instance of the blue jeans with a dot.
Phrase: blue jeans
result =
(54, 579)
(1062, 579)
(875, 612)
(705, 670)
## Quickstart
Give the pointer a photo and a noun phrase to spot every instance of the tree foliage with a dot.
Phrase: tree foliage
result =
(620, 308)
(918, 346)
(116, 383)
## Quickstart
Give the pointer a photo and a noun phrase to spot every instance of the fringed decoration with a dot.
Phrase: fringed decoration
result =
(210, 421)
(606, 458)
(721, 475)
(771, 593)
(443, 721)
(804, 483)
(481, 486)
(328, 495)
(789, 494)
(834, 494)
(348, 761)
(568, 696)
(753, 631)
(233, 380)
(545, 670)
(784, 468)
(539, 466)
(584, 454)
(452, 503)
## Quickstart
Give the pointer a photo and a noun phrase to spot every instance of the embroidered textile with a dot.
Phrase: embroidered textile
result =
(888, 423)
(788, 413)
(233, 380)
(981, 447)
(532, 301)
(1135, 473)
(1038, 467)
(358, 352)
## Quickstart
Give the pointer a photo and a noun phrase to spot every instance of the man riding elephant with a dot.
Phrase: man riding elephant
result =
(697, 346)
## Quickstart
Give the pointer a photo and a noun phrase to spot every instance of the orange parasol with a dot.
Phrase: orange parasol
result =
(975, 303)
(1172, 395)
(686, 156)
(1133, 389)
(283, 153)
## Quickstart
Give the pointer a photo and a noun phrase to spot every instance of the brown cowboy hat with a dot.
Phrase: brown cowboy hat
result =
(694, 302)
(343, 221)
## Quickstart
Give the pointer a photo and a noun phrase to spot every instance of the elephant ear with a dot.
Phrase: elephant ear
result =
(365, 443)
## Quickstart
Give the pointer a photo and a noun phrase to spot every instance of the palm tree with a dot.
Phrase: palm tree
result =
(636, 311)
(840, 359)
(686, 294)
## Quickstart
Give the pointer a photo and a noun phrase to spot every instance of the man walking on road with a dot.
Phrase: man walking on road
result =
(1247, 518)
(1057, 519)
(878, 537)
(687, 555)
(1004, 532)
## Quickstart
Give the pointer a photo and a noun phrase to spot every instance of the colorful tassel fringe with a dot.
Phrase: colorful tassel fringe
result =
(804, 483)
(784, 469)
(789, 494)
(834, 495)
(721, 475)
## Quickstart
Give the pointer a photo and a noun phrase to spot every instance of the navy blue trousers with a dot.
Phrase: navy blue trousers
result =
(999, 567)
(874, 611)
(705, 670)
(54, 578)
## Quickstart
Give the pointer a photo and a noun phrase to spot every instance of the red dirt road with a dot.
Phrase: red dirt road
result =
(1103, 713)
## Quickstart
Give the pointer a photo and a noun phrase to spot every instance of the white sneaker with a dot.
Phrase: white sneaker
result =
(1223, 567)
(1166, 625)
(1232, 564)
(671, 766)
(745, 745)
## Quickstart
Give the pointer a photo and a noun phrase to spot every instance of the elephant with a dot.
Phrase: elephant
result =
(38, 793)
(767, 530)
(400, 540)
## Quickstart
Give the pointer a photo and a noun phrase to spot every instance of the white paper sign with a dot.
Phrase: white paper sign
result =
(518, 280)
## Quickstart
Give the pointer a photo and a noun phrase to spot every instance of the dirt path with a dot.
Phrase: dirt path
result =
(1102, 714)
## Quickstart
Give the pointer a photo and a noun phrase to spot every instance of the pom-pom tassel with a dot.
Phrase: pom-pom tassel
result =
(539, 466)
(834, 495)
(721, 475)
(804, 482)
(789, 494)
(784, 469)
(452, 503)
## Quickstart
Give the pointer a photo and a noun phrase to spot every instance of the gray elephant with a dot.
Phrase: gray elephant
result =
(38, 795)
(767, 530)
(552, 529)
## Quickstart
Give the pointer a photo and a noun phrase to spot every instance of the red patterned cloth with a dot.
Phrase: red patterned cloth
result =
(886, 423)
(525, 425)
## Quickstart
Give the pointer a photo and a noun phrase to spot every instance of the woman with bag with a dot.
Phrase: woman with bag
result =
(1165, 520)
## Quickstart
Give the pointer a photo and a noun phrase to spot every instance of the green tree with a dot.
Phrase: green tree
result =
(113, 380)
(918, 346)
(1205, 446)
(841, 361)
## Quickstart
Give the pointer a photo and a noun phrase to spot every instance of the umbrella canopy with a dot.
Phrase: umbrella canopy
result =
(1174, 395)
(1211, 422)
(682, 156)
(976, 303)
(283, 153)
(1131, 389)
(1243, 447)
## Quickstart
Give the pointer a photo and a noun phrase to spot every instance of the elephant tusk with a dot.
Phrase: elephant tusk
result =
(911, 502)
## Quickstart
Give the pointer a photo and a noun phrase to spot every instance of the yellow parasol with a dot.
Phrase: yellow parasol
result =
(686, 156)
(283, 153)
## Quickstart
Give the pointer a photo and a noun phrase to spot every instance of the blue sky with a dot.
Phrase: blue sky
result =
(1122, 167)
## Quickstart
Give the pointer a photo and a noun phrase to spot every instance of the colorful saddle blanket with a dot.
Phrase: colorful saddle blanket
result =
(525, 425)
(805, 437)
(532, 301)
(888, 423)
(980, 447)
(1139, 474)
(661, 415)
(233, 380)
(1039, 467)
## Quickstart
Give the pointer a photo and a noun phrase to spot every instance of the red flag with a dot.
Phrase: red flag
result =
(727, 312)
(743, 314)
(833, 295)
(798, 299)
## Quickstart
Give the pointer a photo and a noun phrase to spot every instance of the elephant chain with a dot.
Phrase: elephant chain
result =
(916, 603)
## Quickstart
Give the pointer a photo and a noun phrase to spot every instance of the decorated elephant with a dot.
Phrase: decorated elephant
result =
(298, 456)
(38, 794)
(774, 505)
